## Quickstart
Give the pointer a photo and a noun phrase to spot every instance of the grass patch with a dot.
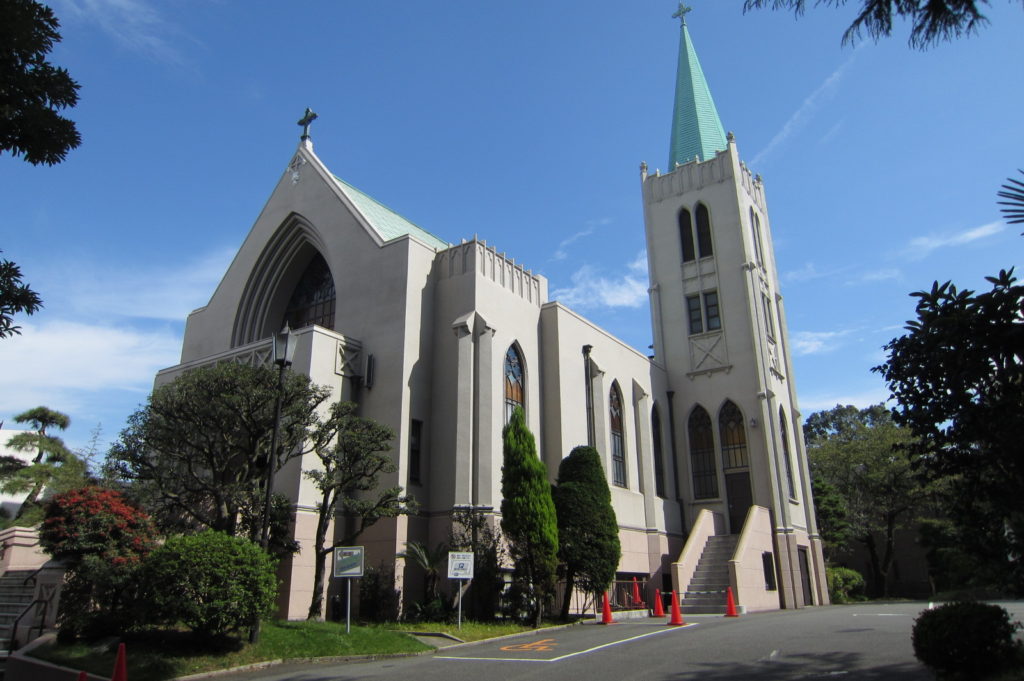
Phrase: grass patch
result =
(159, 655)
(471, 631)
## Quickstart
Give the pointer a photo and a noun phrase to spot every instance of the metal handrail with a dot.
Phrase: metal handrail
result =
(13, 645)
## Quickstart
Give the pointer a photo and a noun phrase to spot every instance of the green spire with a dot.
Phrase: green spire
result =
(696, 128)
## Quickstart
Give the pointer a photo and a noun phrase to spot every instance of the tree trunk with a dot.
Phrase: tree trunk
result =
(877, 577)
(316, 603)
(570, 579)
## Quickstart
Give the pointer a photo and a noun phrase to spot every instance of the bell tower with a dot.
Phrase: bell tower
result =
(719, 331)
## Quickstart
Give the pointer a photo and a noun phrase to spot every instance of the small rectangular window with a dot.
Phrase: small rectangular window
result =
(714, 322)
(768, 565)
(415, 437)
(693, 308)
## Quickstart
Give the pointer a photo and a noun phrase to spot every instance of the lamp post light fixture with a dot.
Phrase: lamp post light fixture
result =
(284, 350)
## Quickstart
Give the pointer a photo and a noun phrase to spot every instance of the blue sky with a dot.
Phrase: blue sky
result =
(524, 123)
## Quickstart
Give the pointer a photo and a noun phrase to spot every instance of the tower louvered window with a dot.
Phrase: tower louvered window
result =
(785, 453)
(703, 231)
(702, 455)
(514, 382)
(618, 443)
(686, 235)
(314, 297)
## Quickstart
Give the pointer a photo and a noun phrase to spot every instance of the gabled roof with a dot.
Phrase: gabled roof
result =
(696, 128)
(387, 223)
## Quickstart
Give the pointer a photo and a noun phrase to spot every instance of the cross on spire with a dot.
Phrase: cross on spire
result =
(305, 121)
(682, 12)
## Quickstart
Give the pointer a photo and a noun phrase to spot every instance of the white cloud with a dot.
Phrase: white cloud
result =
(136, 24)
(153, 293)
(590, 289)
(876, 275)
(810, 272)
(806, 111)
(822, 401)
(922, 246)
(61, 364)
(815, 342)
(561, 253)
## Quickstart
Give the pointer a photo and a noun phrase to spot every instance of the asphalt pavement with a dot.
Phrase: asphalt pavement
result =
(868, 642)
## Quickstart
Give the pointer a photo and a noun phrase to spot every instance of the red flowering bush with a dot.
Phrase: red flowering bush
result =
(102, 540)
(93, 521)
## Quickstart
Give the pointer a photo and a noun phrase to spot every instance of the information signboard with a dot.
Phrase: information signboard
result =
(460, 565)
(348, 561)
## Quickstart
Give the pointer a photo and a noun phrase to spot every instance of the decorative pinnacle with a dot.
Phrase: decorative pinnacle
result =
(681, 13)
(305, 121)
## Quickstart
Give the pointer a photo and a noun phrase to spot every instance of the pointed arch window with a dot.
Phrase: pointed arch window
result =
(514, 382)
(785, 453)
(314, 297)
(734, 437)
(702, 455)
(659, 464)
(686, 235)
(618, 441)
(704, 248)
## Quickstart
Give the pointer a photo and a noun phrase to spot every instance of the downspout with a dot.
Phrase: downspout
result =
(589, 391)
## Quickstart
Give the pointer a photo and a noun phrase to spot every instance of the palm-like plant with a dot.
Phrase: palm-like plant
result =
(430, 562)
(1013, 191)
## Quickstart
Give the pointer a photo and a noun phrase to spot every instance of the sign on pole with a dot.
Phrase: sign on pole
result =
(460, 567)
(348, 563)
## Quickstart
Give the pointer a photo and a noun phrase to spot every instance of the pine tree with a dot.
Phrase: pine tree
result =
(588, 533)
(528, 516)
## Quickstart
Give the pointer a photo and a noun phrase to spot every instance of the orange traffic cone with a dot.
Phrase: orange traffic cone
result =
(659, 609)
(606, 611)
(677, 616)
(730, 603)
(637, 601)
(120, 666)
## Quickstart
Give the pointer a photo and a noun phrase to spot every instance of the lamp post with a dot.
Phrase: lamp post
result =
(284, 350)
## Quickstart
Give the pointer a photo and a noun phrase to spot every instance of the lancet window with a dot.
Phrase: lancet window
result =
(702, 455)
(704, 248)
(618, 442)
(733, 436)
(314, 297)
(514, 382)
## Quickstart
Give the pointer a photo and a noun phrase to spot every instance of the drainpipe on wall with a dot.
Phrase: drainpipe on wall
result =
(589, 391)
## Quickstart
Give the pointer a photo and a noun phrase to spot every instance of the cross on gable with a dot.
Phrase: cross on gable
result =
(306, 119)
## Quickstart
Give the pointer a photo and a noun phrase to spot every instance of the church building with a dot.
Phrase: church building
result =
(701, 442)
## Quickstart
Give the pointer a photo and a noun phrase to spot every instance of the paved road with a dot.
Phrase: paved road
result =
(864, 642)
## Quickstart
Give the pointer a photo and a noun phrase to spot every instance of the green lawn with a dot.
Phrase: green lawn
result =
(165, 655)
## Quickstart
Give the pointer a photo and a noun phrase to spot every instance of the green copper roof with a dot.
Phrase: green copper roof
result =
(387, 223)
(696, 128)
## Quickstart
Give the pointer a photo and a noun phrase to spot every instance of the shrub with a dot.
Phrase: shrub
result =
(378, 598)
(965, 638)
(102, 540)
(210, 582)
(844, 585)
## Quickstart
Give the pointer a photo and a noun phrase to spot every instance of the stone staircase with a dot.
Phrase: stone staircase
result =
(15, 596)
(705, 594)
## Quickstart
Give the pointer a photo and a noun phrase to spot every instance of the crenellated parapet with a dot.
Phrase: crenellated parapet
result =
(485, 262)
(691, 176)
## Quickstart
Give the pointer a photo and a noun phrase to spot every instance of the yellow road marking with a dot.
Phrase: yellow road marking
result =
(543, 644)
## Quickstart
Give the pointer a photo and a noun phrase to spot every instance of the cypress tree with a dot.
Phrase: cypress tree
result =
(528, 516)
(587, 530)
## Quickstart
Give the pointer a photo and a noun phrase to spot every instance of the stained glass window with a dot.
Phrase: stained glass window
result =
(514, 382)
(314, 297)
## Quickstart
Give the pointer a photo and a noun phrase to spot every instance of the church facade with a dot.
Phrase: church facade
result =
(701, 441)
